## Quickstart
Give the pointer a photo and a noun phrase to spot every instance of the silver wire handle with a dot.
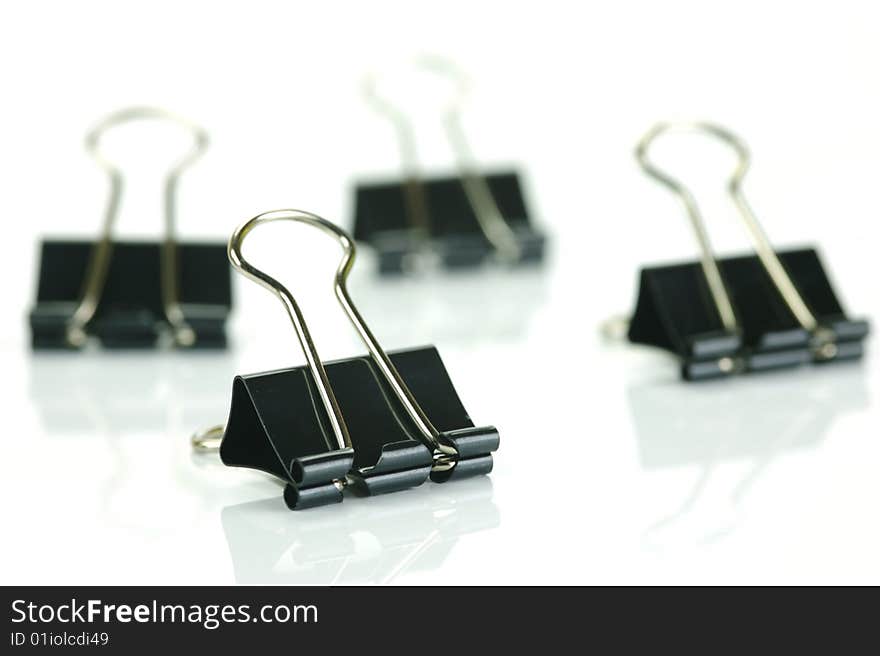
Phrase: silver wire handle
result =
(316, 367)
(99, 263)
(760, 242)
(489, 217)
(414, 190)
(207, 440)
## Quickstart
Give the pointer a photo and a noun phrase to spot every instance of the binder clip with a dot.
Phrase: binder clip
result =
(128, 294)
(725, 316)
(461, 221)
(378, 423)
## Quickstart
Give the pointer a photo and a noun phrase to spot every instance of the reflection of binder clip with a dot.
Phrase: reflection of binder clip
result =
(378, 545)
(705, 431)
(381, 423)
(462, 220)
(740, 314)
(123, 292)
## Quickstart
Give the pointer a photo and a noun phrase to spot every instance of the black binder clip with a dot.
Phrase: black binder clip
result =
(128, 294)
(739, 314)
(461, 221)
(379, 423)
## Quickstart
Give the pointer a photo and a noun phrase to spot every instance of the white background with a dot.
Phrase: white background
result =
(610, 471)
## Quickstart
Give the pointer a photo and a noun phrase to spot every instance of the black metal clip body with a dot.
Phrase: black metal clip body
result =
(734, 315)
(128, 294)
(379, 423)
(461, 221)
(454, 234)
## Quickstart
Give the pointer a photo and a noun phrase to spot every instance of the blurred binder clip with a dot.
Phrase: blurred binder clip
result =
(725, 316)
(379, 423)
(128, 294)
(462, 221)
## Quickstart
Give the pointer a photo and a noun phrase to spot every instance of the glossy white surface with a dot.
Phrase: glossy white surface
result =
(610, 469)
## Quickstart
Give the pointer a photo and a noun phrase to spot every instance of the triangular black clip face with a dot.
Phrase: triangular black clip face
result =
(277, 424)
(675, 311)
(130, 313)
(382, 221)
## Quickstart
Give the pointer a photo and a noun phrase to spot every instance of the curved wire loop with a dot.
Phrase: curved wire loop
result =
(99, 263)
(207, 440)
(489, 217)
(760, 242)
(316, 367)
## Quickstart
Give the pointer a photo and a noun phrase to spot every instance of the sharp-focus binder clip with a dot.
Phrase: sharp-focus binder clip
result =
(379, 423)
(739, 314)
(462, 220)
(127, 294)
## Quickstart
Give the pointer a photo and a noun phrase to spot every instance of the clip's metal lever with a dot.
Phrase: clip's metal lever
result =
(102, 252)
